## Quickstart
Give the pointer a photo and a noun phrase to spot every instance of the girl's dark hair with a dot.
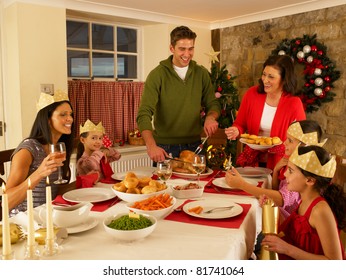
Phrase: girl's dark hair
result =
(309, 126)
(80, 147)
(333, 194)
(41, 131)
(285, 65)
(181, 32)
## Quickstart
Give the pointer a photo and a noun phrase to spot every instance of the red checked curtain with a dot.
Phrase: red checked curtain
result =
(113, 103)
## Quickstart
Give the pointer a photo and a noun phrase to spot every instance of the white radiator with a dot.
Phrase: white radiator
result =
(126, 163)
(129, 162)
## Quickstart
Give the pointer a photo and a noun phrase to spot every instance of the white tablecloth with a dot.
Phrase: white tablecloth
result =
(171, 240)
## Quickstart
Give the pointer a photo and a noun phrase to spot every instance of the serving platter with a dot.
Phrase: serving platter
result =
(249, 171)
(192, 176)
(214, 203)
(89, 195)
(257, 146)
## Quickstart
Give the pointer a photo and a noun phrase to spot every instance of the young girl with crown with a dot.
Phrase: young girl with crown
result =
(92, 157)
(312, 230)
(306, 132)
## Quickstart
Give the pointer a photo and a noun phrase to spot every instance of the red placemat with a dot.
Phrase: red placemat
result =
(98, 206)
(233, 222)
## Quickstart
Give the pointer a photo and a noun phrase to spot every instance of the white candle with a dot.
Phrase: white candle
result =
(49, 218)
(30, 213)
(6, 237)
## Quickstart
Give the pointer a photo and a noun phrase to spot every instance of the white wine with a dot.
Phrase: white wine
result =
(199, 167)
(164, 175)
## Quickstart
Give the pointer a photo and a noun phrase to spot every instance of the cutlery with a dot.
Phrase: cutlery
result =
(200, 147)
(218, 208)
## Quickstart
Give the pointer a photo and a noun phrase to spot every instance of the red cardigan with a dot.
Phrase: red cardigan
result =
(290, 109)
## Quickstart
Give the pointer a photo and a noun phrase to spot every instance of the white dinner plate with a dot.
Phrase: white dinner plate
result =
(88, 224)
(139, 171)
(257, 146)
(192, 176)
(89, 195)
(221, 182)
(249, 171)
(214, 203)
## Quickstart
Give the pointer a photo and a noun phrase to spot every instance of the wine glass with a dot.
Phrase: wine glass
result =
(164, 171)
(199, 165)
(58, 152)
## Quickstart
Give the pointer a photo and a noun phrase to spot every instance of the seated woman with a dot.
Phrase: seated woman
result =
(31, 159)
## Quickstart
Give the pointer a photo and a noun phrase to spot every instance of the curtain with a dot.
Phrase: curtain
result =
(114, 103)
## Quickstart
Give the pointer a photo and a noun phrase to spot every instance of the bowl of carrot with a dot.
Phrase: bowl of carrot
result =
(158, 206)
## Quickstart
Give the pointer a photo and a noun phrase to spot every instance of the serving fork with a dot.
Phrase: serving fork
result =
(200, 147)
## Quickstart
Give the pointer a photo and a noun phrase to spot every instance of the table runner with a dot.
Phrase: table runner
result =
(233, 222)
(98, 206)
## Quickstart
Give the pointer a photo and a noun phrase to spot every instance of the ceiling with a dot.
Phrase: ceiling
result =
(208, 12)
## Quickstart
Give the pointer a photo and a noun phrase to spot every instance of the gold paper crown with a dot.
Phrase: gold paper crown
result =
(47, 99)
(90, 126)
(310, 162)
(310, 138)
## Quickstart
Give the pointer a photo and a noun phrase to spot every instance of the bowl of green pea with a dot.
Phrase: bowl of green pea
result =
(129, 226)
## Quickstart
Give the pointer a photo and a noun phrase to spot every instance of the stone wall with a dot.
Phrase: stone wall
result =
(244, 48)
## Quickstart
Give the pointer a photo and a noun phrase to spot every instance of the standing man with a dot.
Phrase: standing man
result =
(173, 95)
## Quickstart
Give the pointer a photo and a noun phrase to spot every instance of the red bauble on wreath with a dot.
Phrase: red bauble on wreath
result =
(319, 71)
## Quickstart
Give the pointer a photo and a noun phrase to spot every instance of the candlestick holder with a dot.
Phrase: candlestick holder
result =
(32, 252)
(8, 257)
(51, 247)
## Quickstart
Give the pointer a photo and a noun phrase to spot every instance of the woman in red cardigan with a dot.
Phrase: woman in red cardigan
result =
(267, 110)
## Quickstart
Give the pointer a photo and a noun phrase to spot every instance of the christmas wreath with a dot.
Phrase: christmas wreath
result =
(319, 71)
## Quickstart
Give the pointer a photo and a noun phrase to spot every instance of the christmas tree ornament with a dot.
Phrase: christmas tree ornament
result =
(318, 71)
(281, 52)
(306, 49)
(318, 82)
(213, 55)
(309, 59)
(318, 91)
(300, 54)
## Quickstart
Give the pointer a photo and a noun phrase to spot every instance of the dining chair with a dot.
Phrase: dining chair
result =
(5, 157)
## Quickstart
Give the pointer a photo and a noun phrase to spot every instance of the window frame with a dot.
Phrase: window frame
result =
(115, 53)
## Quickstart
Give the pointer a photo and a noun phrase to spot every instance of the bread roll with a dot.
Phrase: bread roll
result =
(244, 135)
(276, 140)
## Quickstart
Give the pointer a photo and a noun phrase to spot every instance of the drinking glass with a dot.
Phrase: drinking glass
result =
(199, 165)
(164, 171)
(58, 152)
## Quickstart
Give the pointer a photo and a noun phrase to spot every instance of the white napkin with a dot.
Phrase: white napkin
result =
(21, 219)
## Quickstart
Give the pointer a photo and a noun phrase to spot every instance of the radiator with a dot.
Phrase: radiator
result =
(124, 164)
(129, 162)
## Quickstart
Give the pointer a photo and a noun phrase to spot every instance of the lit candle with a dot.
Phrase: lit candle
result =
(6, 237)
(49, 218)
(30, 213)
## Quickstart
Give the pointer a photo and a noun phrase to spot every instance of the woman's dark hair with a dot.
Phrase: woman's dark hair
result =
(80, 147)
(285, 65)
(41, 131)
(309, 126)
(333, 194)
(181, 32)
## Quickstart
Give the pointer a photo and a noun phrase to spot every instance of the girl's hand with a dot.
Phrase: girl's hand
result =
(275, 244)
(263, 199)
(281, 163)
(234, 179)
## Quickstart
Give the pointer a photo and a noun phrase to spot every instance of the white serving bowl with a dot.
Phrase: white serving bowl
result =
(156, 213)
(129, 235)
(132, 197)
(189, 193)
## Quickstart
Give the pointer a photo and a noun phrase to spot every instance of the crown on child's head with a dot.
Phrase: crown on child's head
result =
(47, 99)
(310, 138)
(310, 162)
(90, 126)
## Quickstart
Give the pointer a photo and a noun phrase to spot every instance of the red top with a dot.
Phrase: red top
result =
(299, 232)
(290, 109)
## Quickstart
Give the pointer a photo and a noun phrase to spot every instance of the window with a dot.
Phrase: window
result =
(101, 51)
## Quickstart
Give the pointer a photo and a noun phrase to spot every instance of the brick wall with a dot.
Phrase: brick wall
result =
(244, 48)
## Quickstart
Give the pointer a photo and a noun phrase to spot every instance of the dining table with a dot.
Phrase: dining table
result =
(178, 236)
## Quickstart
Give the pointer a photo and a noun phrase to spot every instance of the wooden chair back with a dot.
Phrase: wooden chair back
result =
(5, 156)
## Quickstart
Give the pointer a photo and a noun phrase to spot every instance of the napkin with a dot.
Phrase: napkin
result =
(233, 222)
(86, 181)
(97, 206)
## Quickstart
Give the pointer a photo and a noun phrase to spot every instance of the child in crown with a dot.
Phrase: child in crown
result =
(92, 156)
(312, 230)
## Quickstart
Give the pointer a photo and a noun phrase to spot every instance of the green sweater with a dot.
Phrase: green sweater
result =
(175, 104)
